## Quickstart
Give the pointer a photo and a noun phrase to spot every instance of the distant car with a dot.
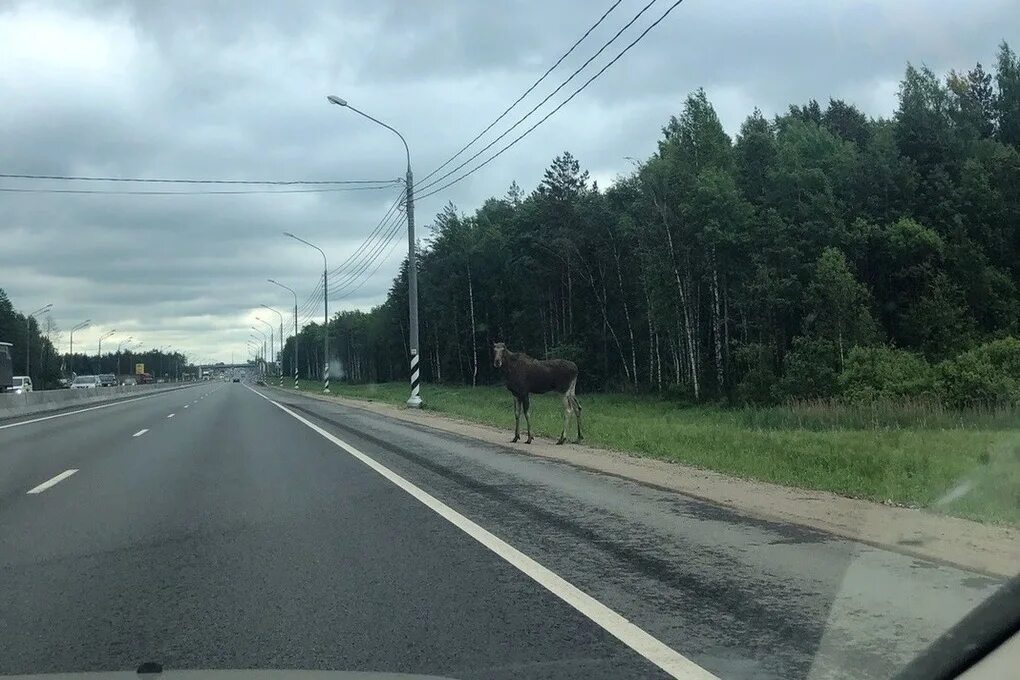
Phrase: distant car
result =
(64, 383)
(237, 380)
(86, 382)
(107, 380)
(144, 379)
(22, 384)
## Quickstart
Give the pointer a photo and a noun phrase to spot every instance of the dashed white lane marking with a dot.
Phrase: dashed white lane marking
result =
(186, 405)
(171, 415)
(56, 480)
(140, 432)
(83, 410)
(652, 649)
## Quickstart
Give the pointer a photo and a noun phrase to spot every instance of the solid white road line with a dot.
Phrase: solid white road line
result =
(56, 480)
(140, 432)
(657, 652)
(83, 410)
(171, 415)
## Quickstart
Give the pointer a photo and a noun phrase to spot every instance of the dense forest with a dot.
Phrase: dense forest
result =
(22, 333)
(820, 253)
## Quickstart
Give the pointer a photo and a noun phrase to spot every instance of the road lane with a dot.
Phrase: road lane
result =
(32, 450)
(233, 536)
(741, 596)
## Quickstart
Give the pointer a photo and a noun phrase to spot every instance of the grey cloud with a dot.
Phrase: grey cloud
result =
(237, 90)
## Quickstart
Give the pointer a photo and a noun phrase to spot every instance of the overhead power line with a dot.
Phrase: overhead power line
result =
(372, 257)
(311, 302)
(528, 91)
(382, 261)
(152, 180)
(558, 107)
(211, 192)
(378, 228)
(427, 185)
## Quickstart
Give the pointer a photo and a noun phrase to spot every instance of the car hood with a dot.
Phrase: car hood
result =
(234, 674)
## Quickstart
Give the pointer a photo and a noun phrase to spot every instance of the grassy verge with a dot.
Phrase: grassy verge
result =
(964, 464)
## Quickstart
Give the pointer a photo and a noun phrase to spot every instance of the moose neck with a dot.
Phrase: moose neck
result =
(508, 359)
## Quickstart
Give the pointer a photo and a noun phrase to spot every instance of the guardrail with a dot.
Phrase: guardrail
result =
(15, 405)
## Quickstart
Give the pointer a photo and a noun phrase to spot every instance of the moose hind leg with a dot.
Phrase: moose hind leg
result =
(517, 420)
(566, 419)
(577, 415)
(526, 406)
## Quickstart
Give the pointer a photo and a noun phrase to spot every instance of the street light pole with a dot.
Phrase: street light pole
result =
(263, 335)
(279, 367)
(325, 310)
(272, 350)
(99, 352)
(414, 401)
(119, 345)
(295, 359)
(28, 338)
(83, 324)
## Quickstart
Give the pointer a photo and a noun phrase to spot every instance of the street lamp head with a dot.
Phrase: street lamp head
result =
(333, 99)
(287, 233)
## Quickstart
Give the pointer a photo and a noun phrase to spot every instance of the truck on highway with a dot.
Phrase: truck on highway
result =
(6, 367)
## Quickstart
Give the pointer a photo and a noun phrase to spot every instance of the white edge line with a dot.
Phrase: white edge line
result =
(55, 480)
(140, 432)
(652, 649)
(90, 408)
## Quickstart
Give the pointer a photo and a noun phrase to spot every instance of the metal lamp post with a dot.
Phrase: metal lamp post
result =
(272, 348)
(83, 324)
(325, 311)
(258, 347)
(99, 351)
(295, 361)
(28, 337)
(263, 336)
(119, 346)
(162, 349)
(414, 401)
(279, 367)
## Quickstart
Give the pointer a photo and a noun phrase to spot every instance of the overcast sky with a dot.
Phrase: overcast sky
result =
(236, 90)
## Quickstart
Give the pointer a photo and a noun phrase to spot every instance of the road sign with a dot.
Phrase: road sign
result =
(139, 369)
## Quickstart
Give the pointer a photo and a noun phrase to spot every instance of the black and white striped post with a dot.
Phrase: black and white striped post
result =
(415, 388)
(414, 401)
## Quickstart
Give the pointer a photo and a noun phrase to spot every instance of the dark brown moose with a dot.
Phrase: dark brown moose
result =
(525, 376)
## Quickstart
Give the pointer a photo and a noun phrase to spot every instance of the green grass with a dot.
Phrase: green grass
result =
(909, 454)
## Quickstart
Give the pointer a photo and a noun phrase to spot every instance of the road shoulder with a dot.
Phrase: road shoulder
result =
(989, 549)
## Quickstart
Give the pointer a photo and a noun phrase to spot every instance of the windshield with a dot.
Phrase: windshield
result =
(18, 382)
(615, 339)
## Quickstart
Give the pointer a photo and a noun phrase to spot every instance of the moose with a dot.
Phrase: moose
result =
(525, 376)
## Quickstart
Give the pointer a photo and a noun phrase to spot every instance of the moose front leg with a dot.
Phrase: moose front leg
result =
(517, 420)
(526, 407)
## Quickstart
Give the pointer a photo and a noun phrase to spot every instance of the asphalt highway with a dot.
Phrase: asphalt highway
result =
(221, 526)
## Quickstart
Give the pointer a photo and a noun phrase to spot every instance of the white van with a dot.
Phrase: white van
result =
(22, 384)
(86, 382)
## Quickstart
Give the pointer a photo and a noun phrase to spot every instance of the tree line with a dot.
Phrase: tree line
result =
(818, 253)
(47, 364)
